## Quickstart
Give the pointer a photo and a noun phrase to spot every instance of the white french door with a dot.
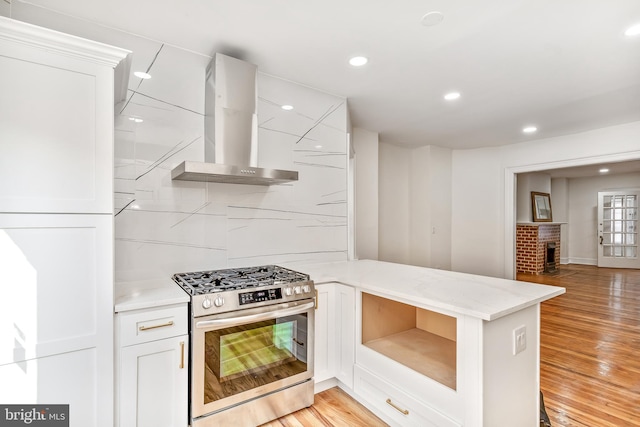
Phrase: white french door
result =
(618, 229)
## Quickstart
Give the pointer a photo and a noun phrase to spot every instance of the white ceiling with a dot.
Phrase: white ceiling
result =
(617, 168)
(563, 65)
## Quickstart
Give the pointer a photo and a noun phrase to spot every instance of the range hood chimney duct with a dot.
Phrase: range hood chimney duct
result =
(231, 129)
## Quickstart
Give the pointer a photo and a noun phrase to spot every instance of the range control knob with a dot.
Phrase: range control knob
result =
(288, 291)
(297, 290)
(206, 303)
(218, 302)
(306, 289)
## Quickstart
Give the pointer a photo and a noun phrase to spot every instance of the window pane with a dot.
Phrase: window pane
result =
(632, 201)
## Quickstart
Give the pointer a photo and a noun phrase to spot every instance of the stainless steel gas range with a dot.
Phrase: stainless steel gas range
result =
(252, 344)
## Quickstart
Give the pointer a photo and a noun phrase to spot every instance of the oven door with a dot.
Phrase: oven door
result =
(245, 354)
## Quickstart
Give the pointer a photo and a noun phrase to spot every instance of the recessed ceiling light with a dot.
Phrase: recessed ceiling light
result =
(529, 129)
(142, 75)
(358, 61)
(287, 107)
(136, 119)
(432, 19)
(318, 146)
(633, 31)
(452, 95)
(604, 170)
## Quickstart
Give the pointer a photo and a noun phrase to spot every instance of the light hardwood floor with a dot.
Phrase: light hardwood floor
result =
(332, 408)
(590, 347)
(589, 350)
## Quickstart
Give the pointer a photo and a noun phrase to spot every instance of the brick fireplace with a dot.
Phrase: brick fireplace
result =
(532, 249)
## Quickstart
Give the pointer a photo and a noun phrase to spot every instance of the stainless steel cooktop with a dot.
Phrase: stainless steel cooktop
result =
(219, 291)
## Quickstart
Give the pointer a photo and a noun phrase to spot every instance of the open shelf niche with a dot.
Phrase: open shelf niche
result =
(420, 339)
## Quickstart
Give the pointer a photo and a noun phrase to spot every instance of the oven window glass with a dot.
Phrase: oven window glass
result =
(244, 357)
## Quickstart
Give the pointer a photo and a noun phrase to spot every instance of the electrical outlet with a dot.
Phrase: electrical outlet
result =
(519, 339)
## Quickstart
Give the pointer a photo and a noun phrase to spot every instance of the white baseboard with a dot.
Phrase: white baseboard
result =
(583, 261)
(325, 385)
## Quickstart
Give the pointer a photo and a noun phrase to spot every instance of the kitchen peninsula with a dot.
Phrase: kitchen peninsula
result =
(417, 346)
(432, 347)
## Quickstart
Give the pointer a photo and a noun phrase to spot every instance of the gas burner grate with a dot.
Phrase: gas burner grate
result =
(206, 282)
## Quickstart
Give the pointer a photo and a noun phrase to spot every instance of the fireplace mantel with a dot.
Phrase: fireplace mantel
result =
(537, 224)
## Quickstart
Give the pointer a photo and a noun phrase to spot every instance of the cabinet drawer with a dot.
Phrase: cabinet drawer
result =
(396, 405)
(140, 326)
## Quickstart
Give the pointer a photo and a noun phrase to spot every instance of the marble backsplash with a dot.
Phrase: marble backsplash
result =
(164, 227)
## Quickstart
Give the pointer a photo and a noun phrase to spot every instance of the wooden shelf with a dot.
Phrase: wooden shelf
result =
(424, 352)
(420, 339)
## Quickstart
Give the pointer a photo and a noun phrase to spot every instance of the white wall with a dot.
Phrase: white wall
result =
(164, 227)
(560, 213)
(441, 197)
(366, 188)
(393, 231)
(583, 215)
(415, 196)
(430, 207)
(528, 182)
(419, 207)
(483, 188)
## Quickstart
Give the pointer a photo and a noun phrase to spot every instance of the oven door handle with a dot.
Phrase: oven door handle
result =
(274, 312)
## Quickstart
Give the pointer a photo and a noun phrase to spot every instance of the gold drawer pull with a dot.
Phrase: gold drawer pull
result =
(162, 325)
(181, 354)
(404, 411)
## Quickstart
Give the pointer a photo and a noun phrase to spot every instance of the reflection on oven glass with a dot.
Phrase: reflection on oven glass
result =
(248, 356)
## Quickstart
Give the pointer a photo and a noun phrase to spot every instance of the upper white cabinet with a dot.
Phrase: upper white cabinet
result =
(56, 121)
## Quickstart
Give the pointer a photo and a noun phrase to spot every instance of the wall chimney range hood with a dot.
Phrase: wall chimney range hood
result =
(231, 129)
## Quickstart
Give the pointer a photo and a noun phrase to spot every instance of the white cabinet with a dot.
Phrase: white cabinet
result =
(345, 333)
(396, 405)
(56, 221)
(153, 367)
(324, 362)
(334, 333)
(56, 121)
(418, 366)
(56, 313)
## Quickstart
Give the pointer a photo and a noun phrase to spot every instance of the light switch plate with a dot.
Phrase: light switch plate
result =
(519, 339)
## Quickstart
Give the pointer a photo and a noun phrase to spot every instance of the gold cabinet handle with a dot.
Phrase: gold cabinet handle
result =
(162, 325)
(316, 307)
(181, 354)
(393, 405)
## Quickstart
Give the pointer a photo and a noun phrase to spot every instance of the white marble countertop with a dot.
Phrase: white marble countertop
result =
(147, 294)
(483, 297)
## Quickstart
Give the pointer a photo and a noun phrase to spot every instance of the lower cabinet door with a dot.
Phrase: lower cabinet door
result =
(345, 297)
(324, 363)
(154, 384)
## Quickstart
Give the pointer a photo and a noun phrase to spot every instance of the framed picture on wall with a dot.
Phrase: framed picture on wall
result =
(541, 205)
